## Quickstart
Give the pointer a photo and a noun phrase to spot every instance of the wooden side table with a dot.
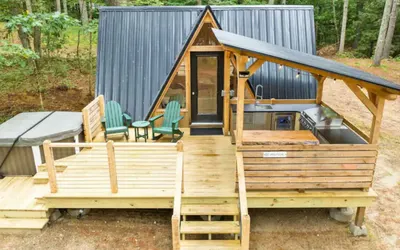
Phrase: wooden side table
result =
(141, 124)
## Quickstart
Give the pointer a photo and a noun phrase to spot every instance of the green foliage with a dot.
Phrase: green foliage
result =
(66, 85)
(52, 25)
(148, 3)
(15, 55)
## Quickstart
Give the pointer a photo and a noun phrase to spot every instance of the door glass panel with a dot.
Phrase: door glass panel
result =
(207, 67)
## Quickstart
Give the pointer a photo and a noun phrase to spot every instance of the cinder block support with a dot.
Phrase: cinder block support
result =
(343, 214)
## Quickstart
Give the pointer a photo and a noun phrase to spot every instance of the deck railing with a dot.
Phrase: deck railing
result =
(179, 189)
(244, 214)
(110, 147)
(92, 115)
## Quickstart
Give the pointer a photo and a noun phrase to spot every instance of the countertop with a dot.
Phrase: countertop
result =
(249, 108)
(341, 136)
(279, 137)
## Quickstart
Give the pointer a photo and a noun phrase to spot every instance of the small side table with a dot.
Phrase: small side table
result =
(144, 125)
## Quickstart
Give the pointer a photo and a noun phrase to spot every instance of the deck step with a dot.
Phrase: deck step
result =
(210, 209)
(210, 244)
(41, 178)
(22, 225)
(19, 214)
(210, 227)
(43, 168)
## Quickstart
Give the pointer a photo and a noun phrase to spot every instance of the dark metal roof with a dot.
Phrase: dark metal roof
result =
(138, 48)
(267, 49)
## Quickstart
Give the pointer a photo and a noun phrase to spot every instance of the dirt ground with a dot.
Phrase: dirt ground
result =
(270, 228)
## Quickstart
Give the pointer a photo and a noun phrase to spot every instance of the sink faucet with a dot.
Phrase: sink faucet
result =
(259, 97)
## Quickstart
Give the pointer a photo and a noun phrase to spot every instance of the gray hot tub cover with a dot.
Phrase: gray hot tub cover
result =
(58, 126)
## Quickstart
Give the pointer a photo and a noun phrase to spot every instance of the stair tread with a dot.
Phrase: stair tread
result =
(210, 244)
(210, 209)
(213, 227)
(22, 223)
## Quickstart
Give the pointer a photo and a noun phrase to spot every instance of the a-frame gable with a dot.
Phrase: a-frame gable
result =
(206, 16)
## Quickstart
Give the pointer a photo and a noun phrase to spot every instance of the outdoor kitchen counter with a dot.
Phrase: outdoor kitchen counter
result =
(248, 108)
(281, 137)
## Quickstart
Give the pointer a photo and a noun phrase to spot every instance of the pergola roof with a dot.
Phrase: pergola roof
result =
(300, 60)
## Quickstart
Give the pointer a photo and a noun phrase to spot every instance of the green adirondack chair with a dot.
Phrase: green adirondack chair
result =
(170, 124)
(116, 122)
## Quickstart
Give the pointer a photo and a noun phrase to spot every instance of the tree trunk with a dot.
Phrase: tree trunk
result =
(199, 2)
(271, 2)
(84, 13)
(334, 21)
(65, 6)
(37, 41)
(391, 28)
(360, 7)
(24, 38)
(344, 23)
(28, 6)
(284, 2)
(58, 6)
(382, 33)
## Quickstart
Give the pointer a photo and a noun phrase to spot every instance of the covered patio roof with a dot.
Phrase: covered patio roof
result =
(307, 62)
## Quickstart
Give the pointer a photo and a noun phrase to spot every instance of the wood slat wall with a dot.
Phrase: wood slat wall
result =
(309, 167)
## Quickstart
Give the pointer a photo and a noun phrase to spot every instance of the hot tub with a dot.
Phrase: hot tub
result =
(27, 153)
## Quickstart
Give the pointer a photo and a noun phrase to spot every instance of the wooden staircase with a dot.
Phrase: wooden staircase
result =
(20, 212)
(196, 233)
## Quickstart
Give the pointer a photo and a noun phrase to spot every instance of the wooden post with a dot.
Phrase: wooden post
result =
(377, 120)
(226, 90)
(245, 237)
(175, 232)
(360, 216)
(180, 163)
(51, 170)
(241, 61)
(111, 167)
(101, 105)
(86, 125)
(320, 88)
(188, 87)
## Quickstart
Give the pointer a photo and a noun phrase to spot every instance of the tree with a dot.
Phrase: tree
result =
(65, 6)
(382, 33)
(84, 13)
(28, 4)
(334, 19)
(271, 2)
(283, 2)
(58, 6)
(344, 23)
(391, 28)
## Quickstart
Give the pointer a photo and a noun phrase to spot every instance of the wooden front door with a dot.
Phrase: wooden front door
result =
(206, 86)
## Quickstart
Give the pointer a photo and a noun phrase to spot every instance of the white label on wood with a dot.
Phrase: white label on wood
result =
(279, 154)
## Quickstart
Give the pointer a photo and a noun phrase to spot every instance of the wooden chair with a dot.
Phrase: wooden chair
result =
(170, 124)
(116, 122)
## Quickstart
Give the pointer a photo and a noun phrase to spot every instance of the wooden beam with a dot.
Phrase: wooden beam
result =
(241, 66)
(51, 170)
(255, 66)
(275, 101)
(226, 91)
(188, 86)
(362, 97)
(377, 120)
(111, 167)
(101, 105)
(206, 48)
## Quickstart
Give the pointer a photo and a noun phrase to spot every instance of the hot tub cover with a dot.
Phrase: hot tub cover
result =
(58, 126)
